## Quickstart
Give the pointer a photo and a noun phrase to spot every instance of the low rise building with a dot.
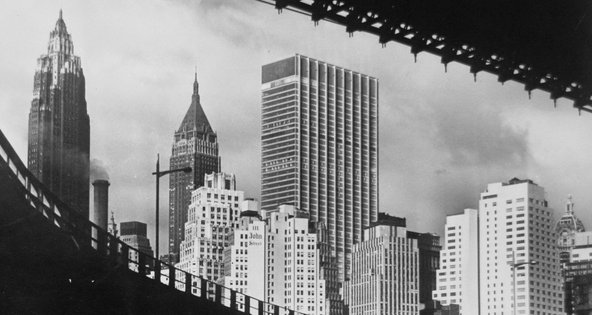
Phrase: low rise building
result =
(133, 234)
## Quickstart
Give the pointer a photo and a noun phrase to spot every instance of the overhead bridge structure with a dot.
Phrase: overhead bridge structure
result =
(54, 261)
(543, 44)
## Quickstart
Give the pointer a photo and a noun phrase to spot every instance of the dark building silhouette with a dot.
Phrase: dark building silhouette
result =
(578, 287)
(59, 129)
(451, 309)
(133, 233)
(133, 228)
(577, 276)
(429, 262)
(196, 146)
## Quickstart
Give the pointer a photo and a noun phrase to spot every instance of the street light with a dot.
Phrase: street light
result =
(513, 264)
(160, 174)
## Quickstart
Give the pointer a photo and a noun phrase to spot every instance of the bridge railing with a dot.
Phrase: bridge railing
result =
(117, 252)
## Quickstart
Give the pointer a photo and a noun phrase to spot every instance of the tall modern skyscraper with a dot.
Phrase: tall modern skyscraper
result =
(515, 227)
(320, 147)
(59, 128)
(195, 145)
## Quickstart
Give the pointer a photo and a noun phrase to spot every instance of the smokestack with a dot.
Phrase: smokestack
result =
(101, 202)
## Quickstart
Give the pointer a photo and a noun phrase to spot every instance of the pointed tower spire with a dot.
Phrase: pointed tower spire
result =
(60, 27)
(195, 84)
(195, 118)
(569, 207)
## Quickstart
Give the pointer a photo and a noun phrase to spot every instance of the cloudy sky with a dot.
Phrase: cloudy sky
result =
(443, 137)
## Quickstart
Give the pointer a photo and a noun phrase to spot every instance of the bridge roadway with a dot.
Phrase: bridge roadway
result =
(53, 261)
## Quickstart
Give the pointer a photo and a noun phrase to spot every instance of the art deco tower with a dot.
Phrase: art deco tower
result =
(59, 131)
(196, 146)
(320, 147)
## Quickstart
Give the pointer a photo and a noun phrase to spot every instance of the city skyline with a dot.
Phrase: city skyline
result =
(476, 132)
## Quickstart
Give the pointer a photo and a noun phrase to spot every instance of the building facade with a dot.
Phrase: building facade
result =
(213, 213)
(196, 146)
(450, 309)
(515, 226)
(458, 276)
(429, 262)
(59, 127)
(385, 271)
(320, 146)
(133, 233)
(577, 274)
(281, 257)
(244, 257)
(565, 229)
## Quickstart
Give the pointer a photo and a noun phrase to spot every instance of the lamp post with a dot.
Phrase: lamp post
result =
(160, 174)
(513, 264)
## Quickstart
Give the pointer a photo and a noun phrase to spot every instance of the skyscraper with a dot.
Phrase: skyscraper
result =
(195, 145)
(320, 147)
(280, 257)
(214, 211)
(515, 227)
(458, 275)
(385, 277)
(59, 128)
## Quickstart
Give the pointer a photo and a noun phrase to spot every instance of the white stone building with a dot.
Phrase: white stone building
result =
(280, 257)
(244, 257)
(582, 247)
(214, 211)
(515, 222)
(385, 271)
(457, 279)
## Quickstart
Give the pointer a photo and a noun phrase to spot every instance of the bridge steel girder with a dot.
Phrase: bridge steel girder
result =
(543, 44)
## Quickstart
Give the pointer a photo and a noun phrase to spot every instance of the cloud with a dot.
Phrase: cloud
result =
(476, 135)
